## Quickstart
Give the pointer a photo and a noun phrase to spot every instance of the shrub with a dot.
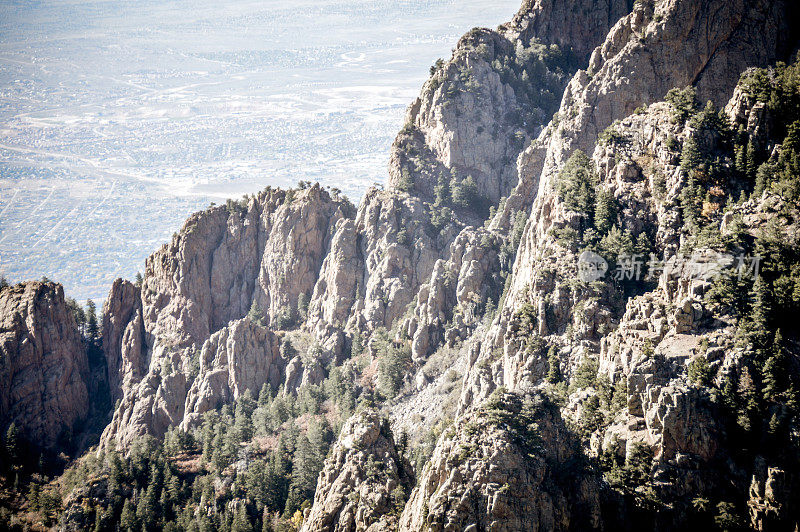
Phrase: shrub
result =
(684, 103)
(586, 375)
(700, 372)
(576, 183)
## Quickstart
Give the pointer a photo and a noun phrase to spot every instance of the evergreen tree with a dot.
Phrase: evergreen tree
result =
(741, 160)
(302, 305)
(576, 184)
(760, 315)
(745, 401)
(241, 521)
(116, 472)
(465, 194)
(92, 328)
(243, 424)
(442, 191)
(207, 433)
(147, 510)
(79, 315)
(265, 395)
(605, 212)
(277, 478)
(700, 372)
(127, 520)
(553, 369)
(619, 396)
(12, 445)
(617, 243)
(752, 160)
(691, 157)
(690, 204)
(776, 371)
(305, 468)
(684, 103)
(406, 182)
(256, 315)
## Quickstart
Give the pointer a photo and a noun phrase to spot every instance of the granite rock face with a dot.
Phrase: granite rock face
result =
(261, 256)
(241, 356)
(123, 337)
(350, 495)
(543, 372)
(497, 469)
(43, 364)
(481, 108)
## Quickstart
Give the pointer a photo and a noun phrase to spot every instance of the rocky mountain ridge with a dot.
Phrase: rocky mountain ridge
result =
(520, 396)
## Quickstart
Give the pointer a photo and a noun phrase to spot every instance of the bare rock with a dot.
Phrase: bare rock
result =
(43, 364)
(364, 479)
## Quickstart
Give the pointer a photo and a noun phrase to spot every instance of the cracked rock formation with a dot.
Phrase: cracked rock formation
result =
(43, 364)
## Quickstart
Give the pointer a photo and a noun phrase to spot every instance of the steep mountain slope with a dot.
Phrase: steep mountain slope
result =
(483, 106)
(525, 395)
(44, 368)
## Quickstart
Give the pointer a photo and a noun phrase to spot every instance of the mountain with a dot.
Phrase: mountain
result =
(450, 329)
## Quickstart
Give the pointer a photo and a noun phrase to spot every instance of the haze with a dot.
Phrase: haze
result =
(118, 119)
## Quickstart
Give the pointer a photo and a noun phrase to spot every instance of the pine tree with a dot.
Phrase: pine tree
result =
(691, 157)
(576, 184)
(605, 212)
(277, 478)
(617, 243)
(465, 194)
(116, 472)
(406, 182)
(172, 486)
(12, 445)
(265, 395)
(442, 191)
(147, 510)
(741, 160)
(690, 203)
(776, 371)
(745, 401)
(760, 315)
(243, 424)
(92, 328)
(553, 369)
(127, 520)
(241, 521)
(619, 397)
(762, 178)
(700, 372)
(256, 315)
(752, 160)
(305, 468)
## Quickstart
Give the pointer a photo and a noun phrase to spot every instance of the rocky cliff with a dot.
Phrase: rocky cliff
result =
(660, 138)
(365, 481)
(483, 106)
(43, 365)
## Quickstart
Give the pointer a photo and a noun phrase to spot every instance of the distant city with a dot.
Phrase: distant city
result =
(117, 120)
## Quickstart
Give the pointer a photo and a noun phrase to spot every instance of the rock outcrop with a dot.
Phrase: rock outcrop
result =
(365, 481)
(261, 256)
(599, 403)
(481, 108)
(502, 467)
(43, 363)
(241, 356)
